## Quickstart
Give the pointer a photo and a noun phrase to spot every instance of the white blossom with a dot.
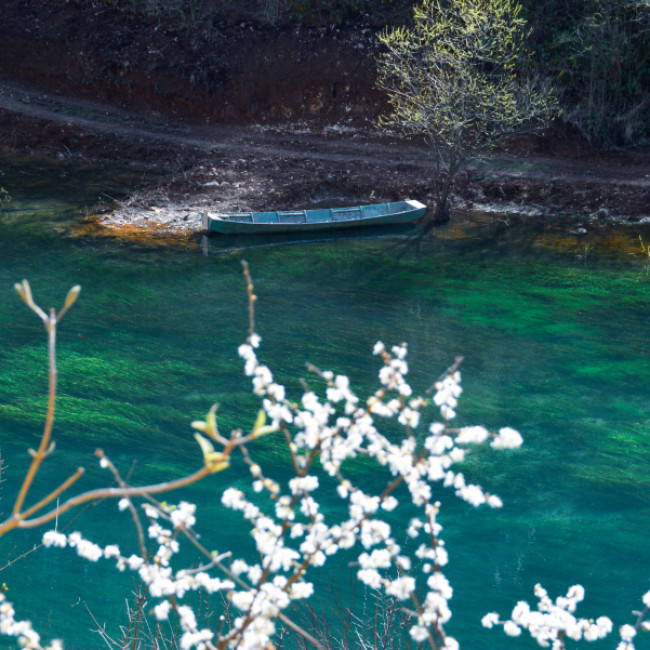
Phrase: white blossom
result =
(489, 620)
(507, 439)
(161, 610)
(472, 435)
(54, 538)
(370, 577)
(554, 620)
(511, 629)
(401, 588)
(291, 533)
(627, 632)
(183, 515)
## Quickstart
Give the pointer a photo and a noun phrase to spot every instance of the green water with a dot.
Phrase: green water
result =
(555, 346)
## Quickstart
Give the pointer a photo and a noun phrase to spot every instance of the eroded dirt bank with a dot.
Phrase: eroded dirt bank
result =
(262, 119)
(234, 71)
(219, 168)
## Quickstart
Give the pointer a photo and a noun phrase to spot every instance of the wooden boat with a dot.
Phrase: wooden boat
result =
(255, 223)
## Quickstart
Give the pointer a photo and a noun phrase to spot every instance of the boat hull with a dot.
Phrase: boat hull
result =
(256, 223)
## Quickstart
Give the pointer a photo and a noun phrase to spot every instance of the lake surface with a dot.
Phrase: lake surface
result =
(553, 328)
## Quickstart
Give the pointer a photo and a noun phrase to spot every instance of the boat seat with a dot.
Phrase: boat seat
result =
(374, 210)
(318, 216)
(345, 214)
(293, 216)
(266, 217)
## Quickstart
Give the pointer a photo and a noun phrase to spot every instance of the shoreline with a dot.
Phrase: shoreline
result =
(231, 168)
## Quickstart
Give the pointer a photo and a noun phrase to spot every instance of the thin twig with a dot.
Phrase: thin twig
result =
(55, 493)
(50, 324)
(131, 507)
(104, 493)
(450, 371)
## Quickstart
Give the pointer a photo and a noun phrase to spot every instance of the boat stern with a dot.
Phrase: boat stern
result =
(416, 204)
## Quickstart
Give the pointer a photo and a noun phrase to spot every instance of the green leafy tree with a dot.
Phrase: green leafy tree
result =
(460, 77)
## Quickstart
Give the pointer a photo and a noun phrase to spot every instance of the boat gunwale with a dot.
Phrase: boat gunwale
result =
(246, 220)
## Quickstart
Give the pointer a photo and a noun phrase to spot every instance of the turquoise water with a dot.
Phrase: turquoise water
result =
(555, 345)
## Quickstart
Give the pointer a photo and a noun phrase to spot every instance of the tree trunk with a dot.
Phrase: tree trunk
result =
(442, 213)
(444, 180)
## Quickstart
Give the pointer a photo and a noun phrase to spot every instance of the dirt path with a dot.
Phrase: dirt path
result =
(262, 167)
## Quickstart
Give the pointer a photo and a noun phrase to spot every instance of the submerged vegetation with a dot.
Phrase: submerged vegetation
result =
(411, 442)
(401, 558)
